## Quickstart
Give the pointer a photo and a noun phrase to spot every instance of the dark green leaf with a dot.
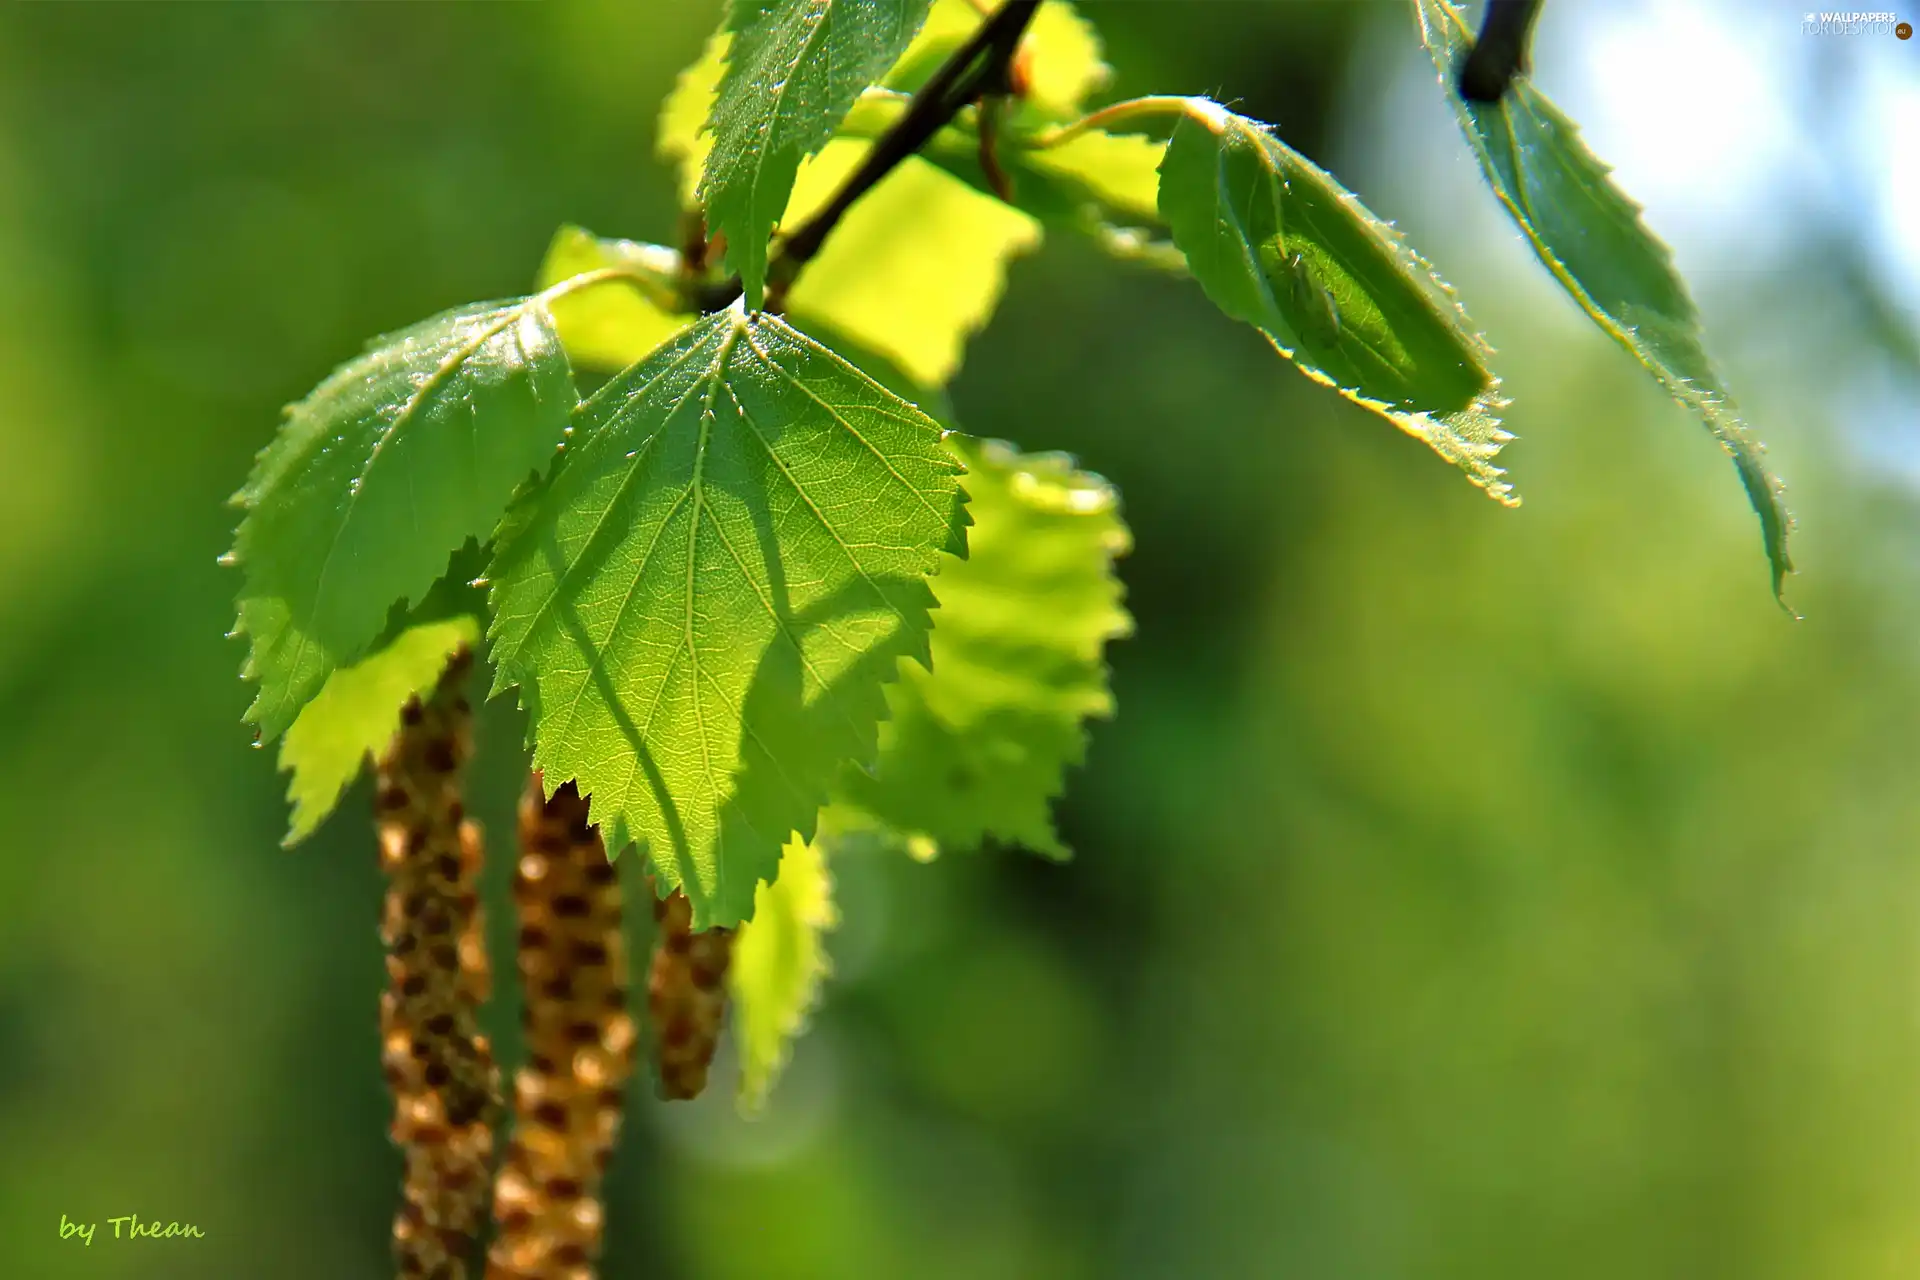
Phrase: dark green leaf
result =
(378, 476)
(1277, 242)
(1589, 234)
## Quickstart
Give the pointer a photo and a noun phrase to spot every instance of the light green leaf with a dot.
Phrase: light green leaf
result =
(703, 603)
(681, 138)
(979, 745)
(1589, 234)
(1117, 172)
(914, 269)
(356, 714)
(1093, 178)
(1059, 58)
(874, 283)
(794, 68)
(779, 962)
(1277, 242)
(378, 476)
(1099, 184)
(610, 325)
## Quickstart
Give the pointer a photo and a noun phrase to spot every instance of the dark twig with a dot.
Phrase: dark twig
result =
(978, 67)
(1501, 51)
(991, 109)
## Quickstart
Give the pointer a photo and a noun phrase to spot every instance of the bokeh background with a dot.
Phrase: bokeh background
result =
(1461, 892)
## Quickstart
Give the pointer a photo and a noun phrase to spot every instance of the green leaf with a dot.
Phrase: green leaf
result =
(1277, 242)
(356, 714)
(608, 326)
(681, 138)
(1118, 173)
(778, 965)
(1093, 178)
(794, 69)
(1059, 58)
(978, 745)
(378, 476)
(702, 604)
(1099, 184)
(914, 268)
(874, 282)
(1589, 234)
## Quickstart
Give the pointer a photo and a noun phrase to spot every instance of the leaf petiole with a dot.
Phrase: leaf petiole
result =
(660, 289)
(1159, 106)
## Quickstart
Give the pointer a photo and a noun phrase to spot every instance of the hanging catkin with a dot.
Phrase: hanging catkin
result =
(570, 1096)
(439, 1067)
(686, 995)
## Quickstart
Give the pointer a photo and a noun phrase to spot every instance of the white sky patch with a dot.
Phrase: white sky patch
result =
(1879, 138)
(1694, 103)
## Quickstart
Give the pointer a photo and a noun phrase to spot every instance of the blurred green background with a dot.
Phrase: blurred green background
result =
(1461, 892)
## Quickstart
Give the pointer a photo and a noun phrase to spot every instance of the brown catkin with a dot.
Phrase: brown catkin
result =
(446, 1089)
(569, 1098)
(686, 995)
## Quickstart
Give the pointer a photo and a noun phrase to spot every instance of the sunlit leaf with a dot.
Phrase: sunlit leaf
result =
(703, 603)
(1059, 58)
(1277, 242)
(1092, 177)
(779, 962)
(1097, 183)
(914, 268)
(681, 139)
(978, 746)
(793, 69)
(378, 476)
(356, 714)
(1589, 234)
(1120, 172)
(606, 327)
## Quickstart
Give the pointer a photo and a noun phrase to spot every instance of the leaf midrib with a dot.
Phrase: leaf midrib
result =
(606, 513)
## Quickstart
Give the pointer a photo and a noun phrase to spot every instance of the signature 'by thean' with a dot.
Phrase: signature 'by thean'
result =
(131, 1226)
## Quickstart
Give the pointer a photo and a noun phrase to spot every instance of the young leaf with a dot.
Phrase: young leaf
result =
(914, 269)
(681, 140)
(610, 325)
(877, 281)
(1117, 173)
(778, 965)
(1588, 233)
(702, 604)
(356, 714)
(1059, 58)
(1091, 179)
(795, 68)
(978, 746)
(378, 476)
(1277, 242)
(1098, 184)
